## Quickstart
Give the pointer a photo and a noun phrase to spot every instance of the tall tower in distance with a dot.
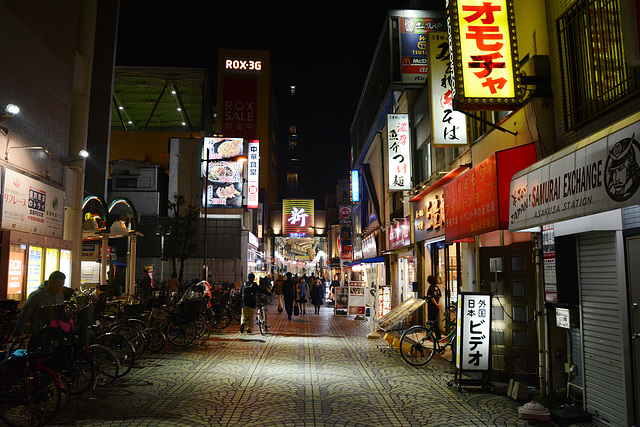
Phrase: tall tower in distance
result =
(294, 162)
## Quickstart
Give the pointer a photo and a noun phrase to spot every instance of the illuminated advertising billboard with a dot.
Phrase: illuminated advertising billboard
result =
(355, 186)
(253, 173)
(222, 172)
(399, 151)
(239, 107)
(298, 217)
(449, 126)
(413, 45)
(483, 52)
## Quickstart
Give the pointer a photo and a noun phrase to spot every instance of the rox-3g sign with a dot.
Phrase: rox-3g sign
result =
(243, 64)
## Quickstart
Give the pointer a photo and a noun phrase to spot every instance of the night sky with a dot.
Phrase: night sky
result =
(324, 48)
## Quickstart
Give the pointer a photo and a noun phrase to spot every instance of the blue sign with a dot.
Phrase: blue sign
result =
(355, 186)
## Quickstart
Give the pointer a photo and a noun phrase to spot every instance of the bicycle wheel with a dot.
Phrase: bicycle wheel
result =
(222, 317)
(82, 373)
(181, 334)
(132, 335)
(33, 402)
(260, 320)
(156, 340)
(107, 361)
(417, 345)
(122, 349)
(203, 332)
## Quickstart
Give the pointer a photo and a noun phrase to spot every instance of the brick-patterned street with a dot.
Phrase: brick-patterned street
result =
(315, 370)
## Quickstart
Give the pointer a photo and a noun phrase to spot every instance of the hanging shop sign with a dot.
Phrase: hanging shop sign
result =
(449, 126)
(477, 201)
(253, 173)
(583, 179)
(344, 215)
(413, 45)
(483, 52)
(399, 234)
(399, 152)
(355, 186)
(369, 247)
(222, 172)
(473, 350)
(31, 206)
(239, 107)
(429, 216)
(298, 217)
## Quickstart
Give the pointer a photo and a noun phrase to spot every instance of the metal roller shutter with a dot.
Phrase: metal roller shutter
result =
(602, 304)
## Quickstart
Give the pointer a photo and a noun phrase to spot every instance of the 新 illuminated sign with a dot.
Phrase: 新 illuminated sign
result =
(483, 52)
(298, 217)
(399, 151)
(253, 174)
(449, 126)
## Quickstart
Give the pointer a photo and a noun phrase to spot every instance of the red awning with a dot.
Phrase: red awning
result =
(441, 182)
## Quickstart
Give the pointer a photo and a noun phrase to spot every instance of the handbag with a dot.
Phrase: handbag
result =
(296, 310)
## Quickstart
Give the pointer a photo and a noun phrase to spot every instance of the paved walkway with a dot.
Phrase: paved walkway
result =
(315, 370)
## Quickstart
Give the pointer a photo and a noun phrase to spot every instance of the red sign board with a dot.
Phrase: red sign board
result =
(478, 201)
(399, 234)
(239, 107)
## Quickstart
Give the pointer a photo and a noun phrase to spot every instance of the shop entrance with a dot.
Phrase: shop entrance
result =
(633, 271)
(508, 273)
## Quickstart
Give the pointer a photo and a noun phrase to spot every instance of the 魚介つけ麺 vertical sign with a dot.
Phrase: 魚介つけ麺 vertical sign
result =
(399, 151)
(253, 173)
(473, 347)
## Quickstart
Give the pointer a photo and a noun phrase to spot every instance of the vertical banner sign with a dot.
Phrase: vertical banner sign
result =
(240, 99)
(399, 153)
(355, 186)
(549, 266)
(413, 41)
(253, 173)
(449, 127)
(357, 301)
(346, 243)
(473, 350)
(483, 51)
(222, 173)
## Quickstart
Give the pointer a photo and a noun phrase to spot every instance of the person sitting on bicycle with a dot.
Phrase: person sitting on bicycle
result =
(433, 304)
(248, 292)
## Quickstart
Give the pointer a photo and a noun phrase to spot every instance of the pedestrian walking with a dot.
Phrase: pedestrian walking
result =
(433, 304)
(277, 288)
(303, 294)
(173, 285)
(316, 295)
(248, 293)
(145, 286)
(288, 294)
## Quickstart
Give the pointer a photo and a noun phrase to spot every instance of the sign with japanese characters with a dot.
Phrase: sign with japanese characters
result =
(449, 126)
(30, 205)
(549, 264)
(399, 234)
(413, 45)
(583, 179)
(473, 349)
(253, 173)
(222, 172)
(298, 217)
(483, 52)
(399, 151)
(429, 216)
(355, 186)
(239, 107)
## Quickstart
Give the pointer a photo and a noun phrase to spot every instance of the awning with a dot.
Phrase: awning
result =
(441, 182)
(367, 261)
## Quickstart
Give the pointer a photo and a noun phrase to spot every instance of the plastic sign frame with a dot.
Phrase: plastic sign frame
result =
(399, 151)
(483, 54)
(355, 186)
(298, 217)
(253, 173)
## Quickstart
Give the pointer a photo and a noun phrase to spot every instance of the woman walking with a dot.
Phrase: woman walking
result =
(316, 295)
(303, 294)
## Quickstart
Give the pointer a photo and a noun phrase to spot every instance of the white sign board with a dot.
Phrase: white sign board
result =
(597, 177)
(32, 206)
(399, 151)
(473, 347)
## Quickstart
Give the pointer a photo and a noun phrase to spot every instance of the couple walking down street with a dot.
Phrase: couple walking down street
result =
(299, 293)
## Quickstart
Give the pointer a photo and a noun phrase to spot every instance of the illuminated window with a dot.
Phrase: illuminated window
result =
(594, 73)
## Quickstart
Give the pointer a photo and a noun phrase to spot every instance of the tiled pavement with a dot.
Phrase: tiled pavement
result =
(315, 370)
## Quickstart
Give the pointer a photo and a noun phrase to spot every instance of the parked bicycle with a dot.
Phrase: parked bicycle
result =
(262, 301)
(418, 344)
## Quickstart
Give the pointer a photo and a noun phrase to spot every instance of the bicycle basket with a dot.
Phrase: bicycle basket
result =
(262, 299)
(188, 311)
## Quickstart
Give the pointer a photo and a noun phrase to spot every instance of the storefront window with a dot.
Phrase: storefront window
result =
(65, 264)
(16, 271)
(34, 269)
(51, 261)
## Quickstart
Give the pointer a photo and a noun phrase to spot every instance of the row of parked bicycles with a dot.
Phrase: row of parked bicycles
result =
(91, 342)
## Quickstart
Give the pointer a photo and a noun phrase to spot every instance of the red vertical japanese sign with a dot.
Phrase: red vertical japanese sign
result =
(239, 107)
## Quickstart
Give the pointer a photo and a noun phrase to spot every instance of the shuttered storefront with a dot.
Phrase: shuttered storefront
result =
(603, 302)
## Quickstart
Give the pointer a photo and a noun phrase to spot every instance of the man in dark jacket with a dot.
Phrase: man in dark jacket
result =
(289, 294)
(248, 293)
